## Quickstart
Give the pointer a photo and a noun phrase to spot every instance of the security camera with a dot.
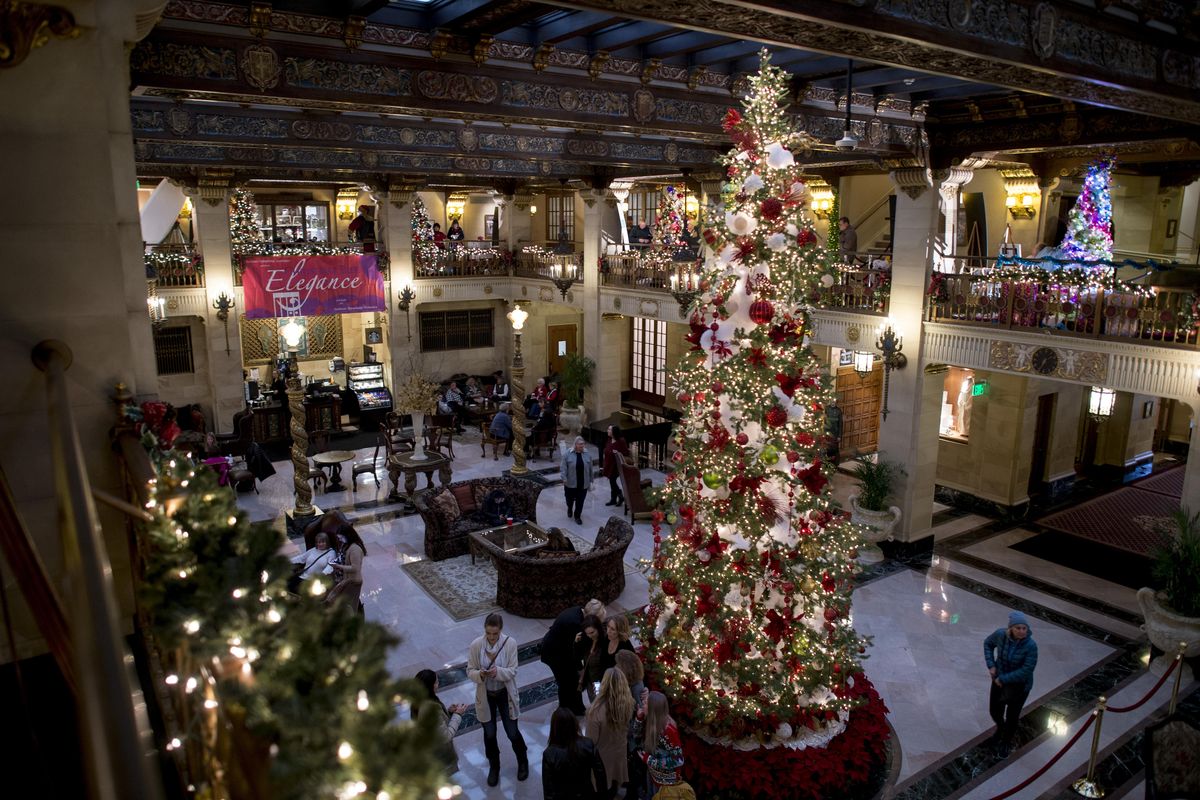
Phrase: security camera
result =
(847, 142)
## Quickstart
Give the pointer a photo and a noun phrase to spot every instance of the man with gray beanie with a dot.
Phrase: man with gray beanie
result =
(1011, 655)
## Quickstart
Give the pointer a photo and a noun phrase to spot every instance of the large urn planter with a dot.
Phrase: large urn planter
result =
(1167, 629)
(570, 419)
(878, 526)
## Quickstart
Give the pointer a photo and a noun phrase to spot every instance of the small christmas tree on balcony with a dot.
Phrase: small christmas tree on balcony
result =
(749, 623)
(424, 250)
(245, 237)
(1089, 224)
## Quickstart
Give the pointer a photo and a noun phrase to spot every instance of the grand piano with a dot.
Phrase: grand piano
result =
(648, 430)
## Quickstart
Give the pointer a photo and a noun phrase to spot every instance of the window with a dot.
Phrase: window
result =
(294, 222)
(456, 330)
(642, 205)
(560, 217)
(173, 350)
(649, 357)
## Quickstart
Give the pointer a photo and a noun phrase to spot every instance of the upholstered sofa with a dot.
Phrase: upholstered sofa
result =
(450, 512)
(540, 584)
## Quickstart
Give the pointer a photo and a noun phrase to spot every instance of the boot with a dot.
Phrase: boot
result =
(493, 773)
(523, 769)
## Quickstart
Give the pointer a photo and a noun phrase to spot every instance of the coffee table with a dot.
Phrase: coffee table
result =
(404, 463)
(520, 537)
(334, 460)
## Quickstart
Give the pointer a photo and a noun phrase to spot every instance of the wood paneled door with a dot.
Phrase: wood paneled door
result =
(859, 399)
(560, 343)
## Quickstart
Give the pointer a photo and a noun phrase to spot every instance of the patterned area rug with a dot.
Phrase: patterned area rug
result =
(1110, 520)
(1169, 483)
(467, 590)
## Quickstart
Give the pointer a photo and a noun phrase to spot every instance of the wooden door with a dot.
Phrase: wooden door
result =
(859, 398)
(560, 343)
(1041, 444)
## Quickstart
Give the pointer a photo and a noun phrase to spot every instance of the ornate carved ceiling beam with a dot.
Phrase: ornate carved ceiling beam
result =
(1034, 46)
(1054, 128)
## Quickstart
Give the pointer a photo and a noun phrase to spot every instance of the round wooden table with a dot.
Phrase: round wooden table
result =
(334, 460)
(406, 464)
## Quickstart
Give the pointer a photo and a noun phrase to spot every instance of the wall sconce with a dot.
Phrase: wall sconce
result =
(532, 209)
(691, 205)
(347, 202)
(455, 206)
(1101, 402)
(890, 344)
(155, 305)
(821, 200)
(186, 211)
(1021, 206)
(224, 304)
(407, 295)
(864, 363)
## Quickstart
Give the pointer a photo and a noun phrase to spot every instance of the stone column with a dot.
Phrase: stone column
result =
(1189, 217)
(520, 221)
(1191, 471)
(600, 400)
(949, 191)
(620, 192)
(226, 391)
(402, 327)
(710, 194)
(909, 436)
(1047, 210)
(503, 206)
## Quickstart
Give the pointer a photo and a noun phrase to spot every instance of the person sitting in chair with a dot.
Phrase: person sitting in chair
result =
(501, 427)
(542, 433)
(500, 390)
(497, 508)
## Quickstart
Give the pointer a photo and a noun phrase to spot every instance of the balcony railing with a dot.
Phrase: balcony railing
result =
(1129, 309)
(174, 266)
(858, 290)
(307, 249)
(538, 262)
(461, 262)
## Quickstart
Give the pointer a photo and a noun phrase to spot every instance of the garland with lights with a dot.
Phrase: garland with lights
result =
(425, 252)
(270, 695)
(173, 263)
(748, 626)
(833, 240)
(1089, 223)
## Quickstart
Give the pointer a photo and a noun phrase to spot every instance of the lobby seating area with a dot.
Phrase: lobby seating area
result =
(451, 513)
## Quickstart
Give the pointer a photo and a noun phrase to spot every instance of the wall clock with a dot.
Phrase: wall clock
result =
(1044, 360)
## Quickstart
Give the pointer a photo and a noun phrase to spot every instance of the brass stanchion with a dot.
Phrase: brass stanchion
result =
(1088, 786)
(1178, 677)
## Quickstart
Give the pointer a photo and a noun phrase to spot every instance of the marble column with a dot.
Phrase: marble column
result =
(1190, 499)
(211, 216)
(909, 436)
(1189, 220)
(520, 221)
(949, 192)
(504, 204)
(403, 349)
(600, 400)
(620, 192)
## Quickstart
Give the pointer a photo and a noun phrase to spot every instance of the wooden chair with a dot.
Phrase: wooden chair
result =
(317, 476)
(484, 430)
(634, 488)
(445, 425)
(440, 440)
(367, 467)
(546, 437)
(398, 438)
(235, 444)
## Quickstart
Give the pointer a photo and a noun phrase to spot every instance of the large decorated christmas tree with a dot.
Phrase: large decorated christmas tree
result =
(244, 235)
(1089, 223)
(668, 218)
(424, 250)
(749, 629)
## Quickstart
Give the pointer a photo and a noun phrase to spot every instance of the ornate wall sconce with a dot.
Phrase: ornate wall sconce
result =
(224, 304)
(407, 295)
(347, 204)
(890, 344)
(1022, 206)
(456, 206)
(1101, 402)
(821, 199)
(155, 305)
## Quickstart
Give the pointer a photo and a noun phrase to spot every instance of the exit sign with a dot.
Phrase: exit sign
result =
(979, 388)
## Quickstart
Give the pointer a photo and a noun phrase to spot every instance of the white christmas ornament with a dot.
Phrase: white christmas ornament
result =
(827, 280)
(777, 242)
(740, 224)
(779, 157)
(752, 184)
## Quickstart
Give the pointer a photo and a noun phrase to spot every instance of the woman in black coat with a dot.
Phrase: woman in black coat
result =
(571, 766)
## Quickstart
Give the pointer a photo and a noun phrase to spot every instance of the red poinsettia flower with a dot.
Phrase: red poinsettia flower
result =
(745, 248)
(757, 357)
(733, 118)
(813, 479)
(806, 236)
(776, 627)
(788, 383)
(771, 208)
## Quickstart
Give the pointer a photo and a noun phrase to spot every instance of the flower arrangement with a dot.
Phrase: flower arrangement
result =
(417, 394)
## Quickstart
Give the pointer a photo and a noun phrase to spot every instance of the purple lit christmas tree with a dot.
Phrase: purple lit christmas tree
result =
(1089, 225)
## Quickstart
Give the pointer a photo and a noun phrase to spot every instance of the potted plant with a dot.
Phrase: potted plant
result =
(576, 377)
(1173, 611)
(417, 396)
(869, 507)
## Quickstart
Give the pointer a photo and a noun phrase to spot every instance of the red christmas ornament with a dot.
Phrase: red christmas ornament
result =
(793, 456)
(806, 236)
(710, 236)
(742, 439)
(831, 614)
(718, 387)
(776, 417)
(771, 208)
(761, 311)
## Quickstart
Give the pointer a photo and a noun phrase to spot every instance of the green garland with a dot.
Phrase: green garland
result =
(308, 682)
(833, 242)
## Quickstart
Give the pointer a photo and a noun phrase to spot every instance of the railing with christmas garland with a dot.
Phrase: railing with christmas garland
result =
(174, 265)
(262, 693)
(535, 261)
(305, 249)
(865, 285)
(457, 260)
(649, 269)
(1143, 300)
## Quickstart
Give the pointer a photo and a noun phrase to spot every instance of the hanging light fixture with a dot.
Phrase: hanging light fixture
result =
(848, 141)
(863, 363)
(1101, 402)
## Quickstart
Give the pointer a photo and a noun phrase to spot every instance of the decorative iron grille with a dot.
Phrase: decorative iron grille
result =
(456, 330)
(261, 342)
(173, 350)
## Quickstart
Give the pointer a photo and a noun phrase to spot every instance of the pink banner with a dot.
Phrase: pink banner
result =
(304, 286)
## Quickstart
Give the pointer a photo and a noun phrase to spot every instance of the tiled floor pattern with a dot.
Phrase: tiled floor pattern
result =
(927, 624)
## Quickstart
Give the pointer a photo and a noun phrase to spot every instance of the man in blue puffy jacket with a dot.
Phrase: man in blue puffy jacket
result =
(1011, 655)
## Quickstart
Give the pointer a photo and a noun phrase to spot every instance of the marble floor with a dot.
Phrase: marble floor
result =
(927, 618)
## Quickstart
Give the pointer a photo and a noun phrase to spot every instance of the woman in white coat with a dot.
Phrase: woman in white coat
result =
(492, 667)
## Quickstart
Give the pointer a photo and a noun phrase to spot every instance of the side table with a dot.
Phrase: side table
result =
(406, 464)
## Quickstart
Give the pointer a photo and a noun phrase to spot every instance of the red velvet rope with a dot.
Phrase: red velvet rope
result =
(1086, 725)
(1157, 686)
(1049, 763)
